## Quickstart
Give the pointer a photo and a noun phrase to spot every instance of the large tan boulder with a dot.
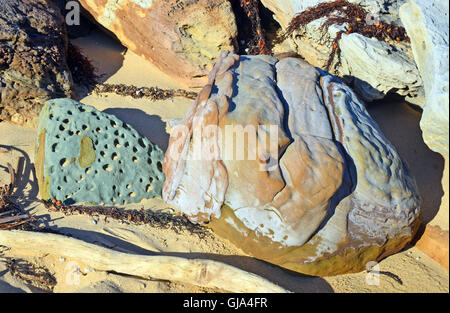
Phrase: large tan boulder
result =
(305, 178)
(182, 38)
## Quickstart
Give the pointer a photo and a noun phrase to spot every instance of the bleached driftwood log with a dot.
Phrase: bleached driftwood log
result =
(200, 272)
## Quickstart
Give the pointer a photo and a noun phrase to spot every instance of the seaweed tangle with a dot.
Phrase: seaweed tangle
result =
(258, 44)
(157, 219)
(354, 16)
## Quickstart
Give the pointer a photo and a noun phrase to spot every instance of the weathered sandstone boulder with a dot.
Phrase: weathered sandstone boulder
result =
(283, 160)
(33, 68)
(427, 22)
(84, 155)
(182, 38)
(373, 67)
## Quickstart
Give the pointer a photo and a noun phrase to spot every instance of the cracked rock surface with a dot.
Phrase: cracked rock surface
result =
(319, 189)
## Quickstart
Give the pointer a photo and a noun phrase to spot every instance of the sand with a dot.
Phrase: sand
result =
(407, 271)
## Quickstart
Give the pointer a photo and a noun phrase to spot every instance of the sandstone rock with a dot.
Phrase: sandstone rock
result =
(183, 38)
(318, 189)
(32, 59)
(428, 26)
(375, 68)
(427, 23)
(83, 155)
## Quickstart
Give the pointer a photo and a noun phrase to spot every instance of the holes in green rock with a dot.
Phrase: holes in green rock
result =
(70, 133)
(141, 180)
(114, 187)
(148, 188)
(98, 130)
(106, 146)
(151, 180)
(141, 143)
(62, 128)
(65, 179)
(135, 149)
(114, 156)
(69, 112)
(127, 144)
(132, 195)
(59, 188)
(116, 133)
(135, 159)
(81, 109)
(54, 147)
(63, 162)
(107, 168)
(66, 121)
(50, 116)
(150, 149)
(149, 161)
(128, 186)
(84, 127)
(117, 143)
(159, 166)
(79, 133)
(88, 171)
(103, 153)
(113, 124)
(121, 171)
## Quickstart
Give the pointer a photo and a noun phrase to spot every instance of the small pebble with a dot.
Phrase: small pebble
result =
(94, 222)
(62, 259)
(418, 258)
(409, 252)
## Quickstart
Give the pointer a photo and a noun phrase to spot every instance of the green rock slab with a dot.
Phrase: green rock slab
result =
(84, 155)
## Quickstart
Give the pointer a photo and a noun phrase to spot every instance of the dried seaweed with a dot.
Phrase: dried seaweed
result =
(31, 274)
(153, 93)
(257, 44)
(157, 219)
(356, 19)
(11, 216)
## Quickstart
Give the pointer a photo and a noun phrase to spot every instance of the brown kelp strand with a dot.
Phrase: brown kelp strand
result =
(157, 219)
(153, 93)
(37, 276)
(258, 44)
(356, 19)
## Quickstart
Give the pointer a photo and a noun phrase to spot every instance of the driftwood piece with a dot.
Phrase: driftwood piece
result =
(200, 272)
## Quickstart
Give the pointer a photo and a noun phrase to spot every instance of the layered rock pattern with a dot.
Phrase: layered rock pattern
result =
(182, 38)
(325, 192)
(33, 65)
(84, 155)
